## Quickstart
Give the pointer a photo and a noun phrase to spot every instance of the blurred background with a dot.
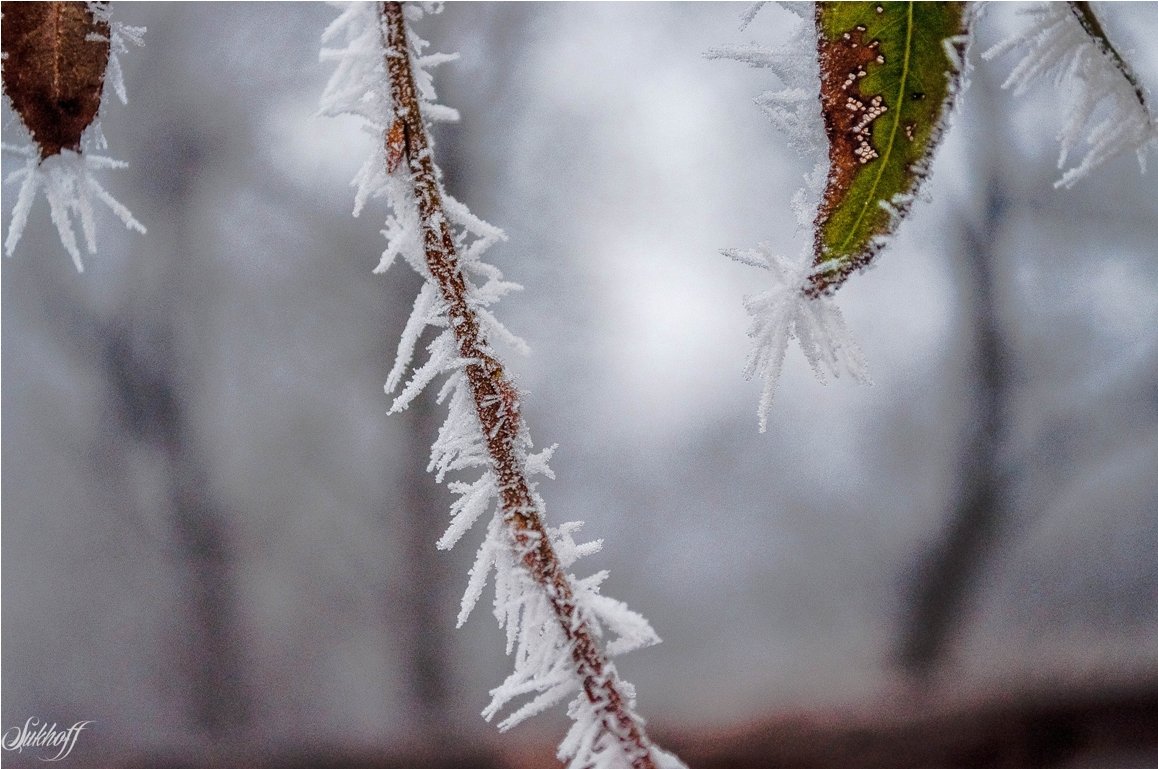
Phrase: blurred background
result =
(218, 547)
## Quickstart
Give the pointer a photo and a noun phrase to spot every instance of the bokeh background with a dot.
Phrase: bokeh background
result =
(218, 547)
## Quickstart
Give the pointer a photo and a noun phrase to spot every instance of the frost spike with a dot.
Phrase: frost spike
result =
(1103, 110)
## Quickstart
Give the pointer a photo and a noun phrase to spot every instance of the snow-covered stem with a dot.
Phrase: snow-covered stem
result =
(497, 407)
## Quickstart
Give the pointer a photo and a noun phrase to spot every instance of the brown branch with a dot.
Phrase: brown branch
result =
(497, 406)
(1093, 27)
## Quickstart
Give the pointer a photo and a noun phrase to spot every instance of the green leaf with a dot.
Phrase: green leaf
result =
(888, 74)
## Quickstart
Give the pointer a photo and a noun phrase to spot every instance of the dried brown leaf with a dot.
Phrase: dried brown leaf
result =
(56, 55)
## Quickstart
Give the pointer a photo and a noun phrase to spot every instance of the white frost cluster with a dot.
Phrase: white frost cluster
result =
(119, 35)
(783, 312)
(544, 672)
(794, 108)
(67, 178)
(1102, 108)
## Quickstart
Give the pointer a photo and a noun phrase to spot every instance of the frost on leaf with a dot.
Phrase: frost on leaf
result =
(54, 70)
(1105, 108)
(59, 59)
(120, 35)
(792, 108)
(786, 310)
(70, 186)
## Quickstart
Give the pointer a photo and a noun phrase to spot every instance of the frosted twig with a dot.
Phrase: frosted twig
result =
(498, 414)
(553, 620)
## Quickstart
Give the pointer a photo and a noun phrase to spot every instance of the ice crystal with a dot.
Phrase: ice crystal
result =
(784, 312)
(119, 34)
(543, 668)
(70, 186)
(544, 672)
(68, 178)
(1104, 110)
(793, 108)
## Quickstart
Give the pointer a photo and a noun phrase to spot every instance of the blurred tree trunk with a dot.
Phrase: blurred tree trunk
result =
(946, 573)
(147, 406)
(151, 352)
(141, 366)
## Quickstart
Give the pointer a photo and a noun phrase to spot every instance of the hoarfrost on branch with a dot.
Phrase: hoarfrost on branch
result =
(545, 654)
(1104, 108)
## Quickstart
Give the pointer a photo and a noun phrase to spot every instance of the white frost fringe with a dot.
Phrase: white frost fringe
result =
(1090, 84)
(783, 312)
(67, 178)
(793, 109)
(544, 673)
